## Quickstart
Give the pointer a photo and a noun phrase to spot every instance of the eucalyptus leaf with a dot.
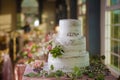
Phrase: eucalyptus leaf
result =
(32, 75)
(52, 67)
(59, 73)
(91, 75)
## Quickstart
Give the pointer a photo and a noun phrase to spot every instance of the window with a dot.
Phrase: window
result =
(115, 38)
(112, 32)
(82, 15)
(112, 2)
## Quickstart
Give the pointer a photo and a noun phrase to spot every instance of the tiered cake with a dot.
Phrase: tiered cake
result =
(74, 46)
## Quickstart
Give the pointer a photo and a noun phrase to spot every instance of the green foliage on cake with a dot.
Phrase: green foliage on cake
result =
(57, 51)
(51, 67)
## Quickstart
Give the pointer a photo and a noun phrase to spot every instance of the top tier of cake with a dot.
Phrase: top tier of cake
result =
(69, 28)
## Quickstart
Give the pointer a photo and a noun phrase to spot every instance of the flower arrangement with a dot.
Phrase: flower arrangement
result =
(50, 46)
(38, 65)
(53, 48)
(30, 51)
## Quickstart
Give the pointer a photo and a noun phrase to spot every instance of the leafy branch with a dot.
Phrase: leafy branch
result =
(57, 51)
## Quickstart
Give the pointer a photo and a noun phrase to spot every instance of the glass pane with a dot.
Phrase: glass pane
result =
(112, 32)
(114, 47)
(119, 48)
(119, 17)
(81, 1)
(112, 17)
(108, 3)
(115, 16)
(114, 60)
(84, 9)
(114, 2)
(115, 32)
(119, 64)
(118, 32)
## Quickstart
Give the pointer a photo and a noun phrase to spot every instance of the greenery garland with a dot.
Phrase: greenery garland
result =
(97, 70)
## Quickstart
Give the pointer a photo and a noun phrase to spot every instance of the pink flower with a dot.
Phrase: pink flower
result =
(29, 55)
(46, 38)
(37, 64)
(24, 49)
(28, 50)
(30, 43)
(49, 47)
(38, 50)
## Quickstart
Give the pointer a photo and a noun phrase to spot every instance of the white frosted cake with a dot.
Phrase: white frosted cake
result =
(73, 44)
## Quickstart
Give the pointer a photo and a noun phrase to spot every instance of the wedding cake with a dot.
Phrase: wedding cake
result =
(73, 44)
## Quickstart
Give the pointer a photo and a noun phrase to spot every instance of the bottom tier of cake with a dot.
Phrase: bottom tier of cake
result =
(66, 64)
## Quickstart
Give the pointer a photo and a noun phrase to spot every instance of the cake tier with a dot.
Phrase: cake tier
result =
(73, 46)
(69, 28)
(66, 64)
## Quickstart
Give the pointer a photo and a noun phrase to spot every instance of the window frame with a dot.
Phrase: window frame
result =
(105, 33)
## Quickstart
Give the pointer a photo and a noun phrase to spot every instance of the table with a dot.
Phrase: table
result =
(29, 69)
